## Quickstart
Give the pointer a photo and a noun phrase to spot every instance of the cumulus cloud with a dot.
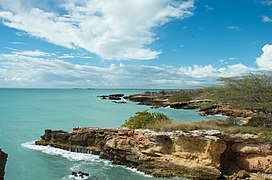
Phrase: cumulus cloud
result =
(18, 70)
(113, 29)
(265, 60)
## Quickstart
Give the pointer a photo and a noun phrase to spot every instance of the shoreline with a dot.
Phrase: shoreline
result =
(206, 154)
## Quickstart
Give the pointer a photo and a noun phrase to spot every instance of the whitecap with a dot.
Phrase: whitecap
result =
(71, 177)
(72, 156)
(75, 156)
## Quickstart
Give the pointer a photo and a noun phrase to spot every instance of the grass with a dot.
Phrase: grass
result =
(264, 133)
(160, 122)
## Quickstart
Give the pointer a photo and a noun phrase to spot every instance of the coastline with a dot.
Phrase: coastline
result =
(195, 154)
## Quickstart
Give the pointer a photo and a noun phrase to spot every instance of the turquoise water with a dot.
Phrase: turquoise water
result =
(26, 113)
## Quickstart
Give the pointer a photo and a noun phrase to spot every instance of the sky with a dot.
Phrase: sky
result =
(132, 44)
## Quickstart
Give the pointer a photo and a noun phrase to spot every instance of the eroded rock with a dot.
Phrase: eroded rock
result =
(162, 154)
(200, 154)
(3, 160)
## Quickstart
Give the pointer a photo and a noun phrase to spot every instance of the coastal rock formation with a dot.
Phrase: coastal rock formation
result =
(206, 154)
(163, 154)
(3, 160)
(206, 106)
(112, 96)
(227, 111)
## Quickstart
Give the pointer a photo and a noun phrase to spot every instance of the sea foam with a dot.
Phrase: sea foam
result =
(75, 156)
(72, 156)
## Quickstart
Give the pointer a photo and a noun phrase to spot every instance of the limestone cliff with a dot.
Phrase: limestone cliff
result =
(196, 155)
(3, 160)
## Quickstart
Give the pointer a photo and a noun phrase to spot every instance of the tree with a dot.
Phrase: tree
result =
(250, 91)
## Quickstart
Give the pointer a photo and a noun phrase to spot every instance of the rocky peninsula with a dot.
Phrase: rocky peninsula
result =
(199, 154)
(194, 101)
(3, 160)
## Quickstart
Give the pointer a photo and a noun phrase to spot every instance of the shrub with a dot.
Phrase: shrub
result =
(179, 98)
(233, 121)
(144, 119)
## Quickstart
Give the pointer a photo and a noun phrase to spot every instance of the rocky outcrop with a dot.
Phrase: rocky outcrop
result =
(112, 96)
(163, 154)
(3, 160)
(206, 106)
(196, 154)
(228, 111)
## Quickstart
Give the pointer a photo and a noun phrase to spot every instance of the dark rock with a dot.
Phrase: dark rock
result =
(112, 96)
(103, 97)
(80, 174)
(115, 96)
(3, 160)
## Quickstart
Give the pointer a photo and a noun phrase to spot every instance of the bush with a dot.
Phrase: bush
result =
(179, 98)
(233, 121)
(144, 119)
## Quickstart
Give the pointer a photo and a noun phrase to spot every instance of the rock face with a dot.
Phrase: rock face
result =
(196, 154)
(164, 154)
(3, 160)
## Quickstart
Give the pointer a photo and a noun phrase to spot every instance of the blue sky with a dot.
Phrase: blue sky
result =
(133, 44)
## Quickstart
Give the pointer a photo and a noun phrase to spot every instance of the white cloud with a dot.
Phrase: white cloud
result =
(226, 61)
(86, 57)
(25, 71)
(232, 58)
(236, 28)
(266, 19)
(265, 60)
(35, 53)
(211, 72)
(113, 29)
(66, 56)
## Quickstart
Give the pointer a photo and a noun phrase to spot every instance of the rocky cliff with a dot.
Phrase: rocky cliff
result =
(196, 154)
(3, 160)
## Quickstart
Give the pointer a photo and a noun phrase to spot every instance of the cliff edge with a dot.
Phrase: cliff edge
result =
(206, 154)
(3, 160)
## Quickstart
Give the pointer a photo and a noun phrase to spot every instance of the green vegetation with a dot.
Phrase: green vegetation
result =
(179, 98)
(145, 119)
(160, 122)
(223, 126)
(251, 91)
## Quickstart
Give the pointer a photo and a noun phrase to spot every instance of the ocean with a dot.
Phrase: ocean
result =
(26, 113)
